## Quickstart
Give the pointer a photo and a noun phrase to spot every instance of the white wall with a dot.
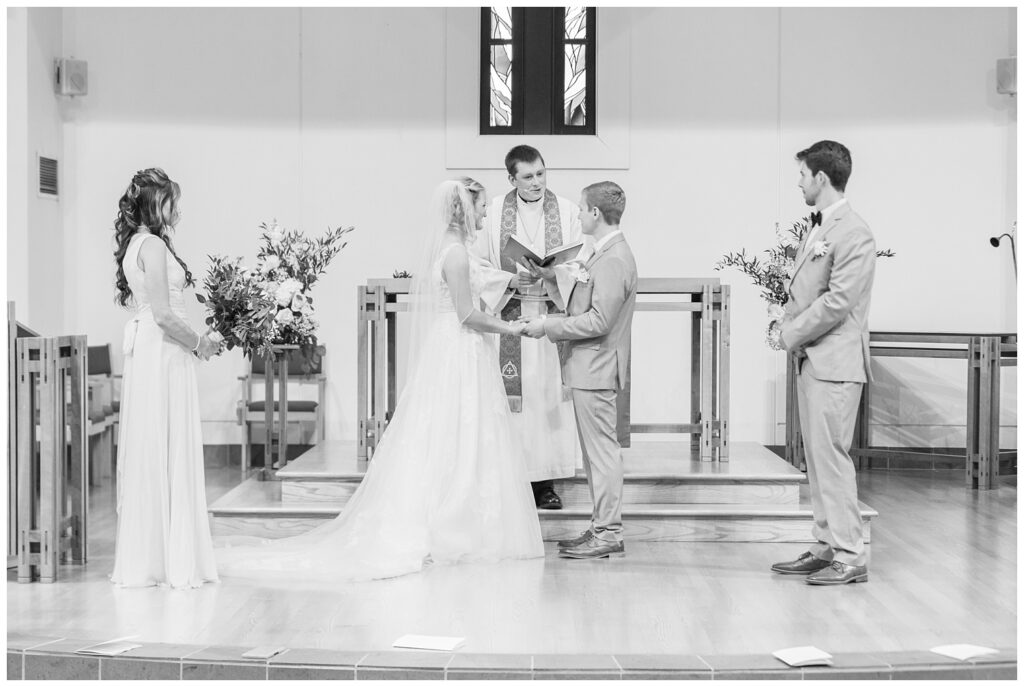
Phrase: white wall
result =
(338, 116)
(17, 157)
(35, 225)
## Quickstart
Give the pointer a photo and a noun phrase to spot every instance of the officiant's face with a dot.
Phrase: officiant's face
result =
(809, 184)
(530, 179)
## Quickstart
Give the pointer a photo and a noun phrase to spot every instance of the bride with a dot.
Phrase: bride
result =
(447, 483)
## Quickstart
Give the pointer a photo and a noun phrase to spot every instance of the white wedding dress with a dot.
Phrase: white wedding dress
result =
(163, 531)
(447, 483)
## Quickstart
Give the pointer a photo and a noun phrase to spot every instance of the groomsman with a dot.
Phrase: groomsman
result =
(541, 410)
(826, 327)
(594, 336)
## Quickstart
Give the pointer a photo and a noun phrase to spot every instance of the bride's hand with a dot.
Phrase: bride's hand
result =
(517, 327)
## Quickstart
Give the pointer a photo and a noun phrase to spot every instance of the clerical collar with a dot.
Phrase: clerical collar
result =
(528, 202)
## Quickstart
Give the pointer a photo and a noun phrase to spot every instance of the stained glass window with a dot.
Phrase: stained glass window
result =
(574, 112)
(537, 70)
(501, 67)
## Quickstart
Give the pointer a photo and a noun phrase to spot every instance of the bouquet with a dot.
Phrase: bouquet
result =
(256, 309)
(773, 273)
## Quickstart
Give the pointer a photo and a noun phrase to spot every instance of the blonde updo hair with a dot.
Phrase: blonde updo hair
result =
(458, 203)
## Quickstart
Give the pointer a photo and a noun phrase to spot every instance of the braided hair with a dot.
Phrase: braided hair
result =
(151, 201)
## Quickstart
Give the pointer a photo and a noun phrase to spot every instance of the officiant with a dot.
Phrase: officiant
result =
(542, 412)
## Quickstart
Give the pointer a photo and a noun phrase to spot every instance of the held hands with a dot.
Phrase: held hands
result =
(533, 328)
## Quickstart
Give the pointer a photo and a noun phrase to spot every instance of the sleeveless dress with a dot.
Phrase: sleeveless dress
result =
(163, 532)
(447, 483)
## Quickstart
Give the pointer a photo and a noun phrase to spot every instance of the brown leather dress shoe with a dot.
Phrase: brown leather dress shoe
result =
(805, 564)
(570, 543)
(839, 573)
(594, 548)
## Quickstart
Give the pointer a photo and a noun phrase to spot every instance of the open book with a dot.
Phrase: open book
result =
(519, 252)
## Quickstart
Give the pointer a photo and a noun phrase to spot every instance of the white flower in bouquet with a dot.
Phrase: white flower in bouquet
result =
(275, 233)
(775, 312)
(287, 290)
(787, 239)
(284, 316)
(270, 263)
(299, 302)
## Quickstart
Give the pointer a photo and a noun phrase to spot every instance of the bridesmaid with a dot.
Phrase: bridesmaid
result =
(163, 535)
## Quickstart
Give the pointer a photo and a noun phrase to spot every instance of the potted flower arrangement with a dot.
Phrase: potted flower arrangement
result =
(264, 308)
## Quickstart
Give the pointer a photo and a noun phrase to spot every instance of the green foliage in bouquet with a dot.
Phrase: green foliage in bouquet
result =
(255, 309)
(773, 272)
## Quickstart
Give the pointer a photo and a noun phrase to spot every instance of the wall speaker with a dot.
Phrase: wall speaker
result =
(71, 77)
(1006, 76)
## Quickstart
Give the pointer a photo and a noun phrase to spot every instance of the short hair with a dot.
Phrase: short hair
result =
(831, 158)
(609, 198)
(521, 153)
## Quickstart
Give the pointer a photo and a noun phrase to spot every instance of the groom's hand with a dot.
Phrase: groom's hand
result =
(534, 328)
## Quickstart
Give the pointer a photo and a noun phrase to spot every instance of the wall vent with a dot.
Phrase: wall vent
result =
(47, 176)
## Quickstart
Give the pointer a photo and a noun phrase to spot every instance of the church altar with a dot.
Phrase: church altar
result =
(706, 299)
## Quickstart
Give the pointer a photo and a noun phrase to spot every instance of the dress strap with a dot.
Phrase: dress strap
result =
(132, 254)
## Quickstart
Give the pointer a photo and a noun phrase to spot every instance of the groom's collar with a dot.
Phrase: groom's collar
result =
(598, 245)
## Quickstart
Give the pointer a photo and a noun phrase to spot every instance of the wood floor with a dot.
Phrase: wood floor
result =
(943, 570)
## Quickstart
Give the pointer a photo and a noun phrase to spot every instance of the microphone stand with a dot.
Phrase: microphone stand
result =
(996, 240)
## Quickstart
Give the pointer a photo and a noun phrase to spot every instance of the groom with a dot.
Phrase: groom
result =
(826, 327)
(594, 338)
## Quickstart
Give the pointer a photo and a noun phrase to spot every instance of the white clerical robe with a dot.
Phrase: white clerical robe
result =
(546, 424)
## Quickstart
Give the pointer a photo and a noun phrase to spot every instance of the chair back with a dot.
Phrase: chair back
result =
(99, 360)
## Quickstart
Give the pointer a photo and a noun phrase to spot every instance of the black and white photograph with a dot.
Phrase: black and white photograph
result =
(512, 342)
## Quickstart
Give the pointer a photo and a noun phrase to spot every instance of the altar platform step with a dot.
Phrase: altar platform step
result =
(670, 496)
(255, 508)
(656, 472)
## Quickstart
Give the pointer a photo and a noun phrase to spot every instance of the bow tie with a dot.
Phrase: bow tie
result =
(815, 219)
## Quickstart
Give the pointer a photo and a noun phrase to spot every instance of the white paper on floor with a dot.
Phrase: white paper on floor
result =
(798, 656)
(962, 652)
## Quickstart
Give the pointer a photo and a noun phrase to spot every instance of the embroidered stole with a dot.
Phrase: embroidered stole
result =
(510, 354)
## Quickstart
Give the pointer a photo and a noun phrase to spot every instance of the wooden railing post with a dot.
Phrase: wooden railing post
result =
(52, 509)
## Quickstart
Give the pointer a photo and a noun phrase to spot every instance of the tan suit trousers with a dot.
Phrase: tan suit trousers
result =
(827, 416)
(602, 459)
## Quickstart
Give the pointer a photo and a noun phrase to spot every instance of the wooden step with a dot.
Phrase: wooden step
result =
(255, 509)
(656, 472)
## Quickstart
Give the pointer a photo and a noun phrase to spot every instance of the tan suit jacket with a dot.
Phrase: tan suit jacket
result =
(829, 298)
(599, 315)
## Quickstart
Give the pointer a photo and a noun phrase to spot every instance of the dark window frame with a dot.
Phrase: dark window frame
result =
(538, 73)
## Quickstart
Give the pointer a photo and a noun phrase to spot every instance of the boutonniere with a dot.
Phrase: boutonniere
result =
(583, 277)
(821, 249)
